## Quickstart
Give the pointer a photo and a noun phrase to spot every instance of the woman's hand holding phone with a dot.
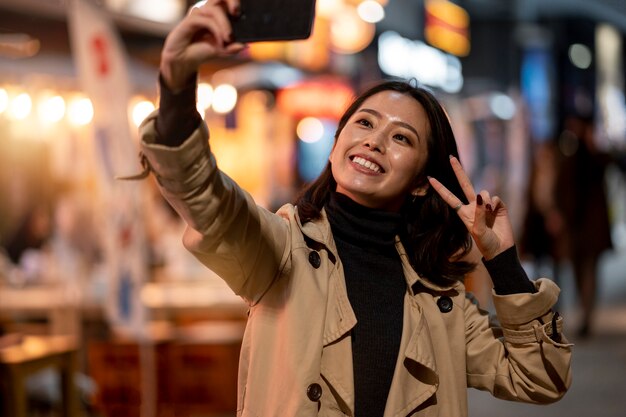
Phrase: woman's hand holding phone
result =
(203, 34)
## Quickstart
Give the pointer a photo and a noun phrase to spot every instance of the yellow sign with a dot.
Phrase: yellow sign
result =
(447, 27)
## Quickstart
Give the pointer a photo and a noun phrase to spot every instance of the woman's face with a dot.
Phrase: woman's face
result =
(381, 150)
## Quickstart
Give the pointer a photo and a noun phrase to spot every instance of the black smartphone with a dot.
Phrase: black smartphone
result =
(273, 20)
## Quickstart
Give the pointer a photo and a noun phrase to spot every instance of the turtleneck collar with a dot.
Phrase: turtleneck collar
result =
(362, 226)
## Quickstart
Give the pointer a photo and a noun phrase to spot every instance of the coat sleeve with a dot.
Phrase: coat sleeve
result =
(521, 358)
(244, 244)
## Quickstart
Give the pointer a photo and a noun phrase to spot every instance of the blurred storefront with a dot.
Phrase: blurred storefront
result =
(508, 73)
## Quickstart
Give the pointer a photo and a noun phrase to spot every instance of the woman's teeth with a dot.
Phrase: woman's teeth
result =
(367, 164)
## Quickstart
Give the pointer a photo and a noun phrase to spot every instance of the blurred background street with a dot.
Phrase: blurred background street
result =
(103, 313)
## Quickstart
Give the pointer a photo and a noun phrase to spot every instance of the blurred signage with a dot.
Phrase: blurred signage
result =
(447, 27)
(320, 98)
(537, 86)
(103, 73)
(610, 87)
(406, 58)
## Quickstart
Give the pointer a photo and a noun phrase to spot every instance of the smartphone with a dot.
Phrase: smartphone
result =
(273, 20)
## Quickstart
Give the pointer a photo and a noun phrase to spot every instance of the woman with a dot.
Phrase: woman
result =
(357, 305)
(584, 210)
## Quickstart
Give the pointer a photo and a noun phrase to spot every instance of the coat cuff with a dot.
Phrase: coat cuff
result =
(177, 168)
(518, 309)
(550, 332)
(528, 318)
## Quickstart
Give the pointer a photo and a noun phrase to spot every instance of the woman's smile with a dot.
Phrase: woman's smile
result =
(381, 151)
(366, 165)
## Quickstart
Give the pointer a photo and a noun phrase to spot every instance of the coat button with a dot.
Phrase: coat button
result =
(445, 304)
(314, 259)
(314, 392)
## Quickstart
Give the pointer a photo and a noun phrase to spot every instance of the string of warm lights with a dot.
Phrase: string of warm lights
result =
(48, 107)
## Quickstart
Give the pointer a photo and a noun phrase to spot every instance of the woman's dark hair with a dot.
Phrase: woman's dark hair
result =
(435, 238)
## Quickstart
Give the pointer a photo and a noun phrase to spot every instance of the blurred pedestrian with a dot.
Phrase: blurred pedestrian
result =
(33, 232)
(541, 241)
(27, 250)
(357, 305)
(581, 197)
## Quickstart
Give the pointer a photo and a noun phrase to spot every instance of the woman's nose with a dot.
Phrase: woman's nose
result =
(375, 142)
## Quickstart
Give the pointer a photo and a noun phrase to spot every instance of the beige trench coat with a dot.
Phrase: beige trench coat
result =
(296, 358)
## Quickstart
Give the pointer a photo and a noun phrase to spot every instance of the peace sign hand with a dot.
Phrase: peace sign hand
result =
(485, 217)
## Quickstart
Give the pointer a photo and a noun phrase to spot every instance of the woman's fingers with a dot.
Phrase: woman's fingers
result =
(235, 47)
(464, 181)
(496, 203)
(233, 7)
(466, 185)
(447, 195)
(480, 215)
(211, 22)
(220, 24)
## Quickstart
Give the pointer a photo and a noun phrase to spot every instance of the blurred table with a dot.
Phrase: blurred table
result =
(30, 355)
(33, 300)
(203, 299)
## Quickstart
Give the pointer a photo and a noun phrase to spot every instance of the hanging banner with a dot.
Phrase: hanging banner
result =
(103, 74)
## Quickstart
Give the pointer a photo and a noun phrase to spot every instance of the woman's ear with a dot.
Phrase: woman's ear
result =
(420, 191)
(421, 188)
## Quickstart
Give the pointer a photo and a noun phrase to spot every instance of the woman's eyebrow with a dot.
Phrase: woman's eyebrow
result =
(397, 122)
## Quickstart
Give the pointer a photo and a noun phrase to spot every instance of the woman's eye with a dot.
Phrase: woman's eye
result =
(364, 122)
(402, 138)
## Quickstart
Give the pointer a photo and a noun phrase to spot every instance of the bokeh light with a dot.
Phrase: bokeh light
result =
(224, 98)
(580, 55)
(80, 111)
(349, 33)
(310, 129)
(51, 108)
(20, 107)
(205, 97)
(141, 110)
(371, 11)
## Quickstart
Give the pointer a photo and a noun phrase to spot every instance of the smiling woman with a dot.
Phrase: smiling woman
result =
(378, 156)
(356, 295)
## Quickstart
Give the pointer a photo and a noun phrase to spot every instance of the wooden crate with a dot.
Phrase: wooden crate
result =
(192, 377)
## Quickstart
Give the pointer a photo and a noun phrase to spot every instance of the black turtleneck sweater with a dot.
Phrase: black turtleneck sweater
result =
(365, 240)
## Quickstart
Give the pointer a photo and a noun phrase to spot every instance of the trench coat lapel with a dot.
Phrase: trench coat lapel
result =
(340, 318)
(415, 379)
(336, 366)
(416, 376)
